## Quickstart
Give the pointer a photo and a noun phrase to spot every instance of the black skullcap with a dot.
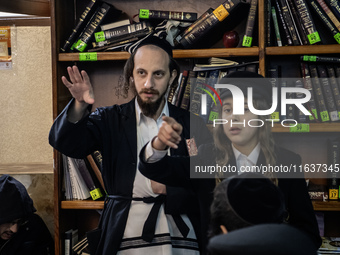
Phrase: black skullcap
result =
(154, 40)
(15, 201)
(262, 88)
(263, 239)
(255, 198)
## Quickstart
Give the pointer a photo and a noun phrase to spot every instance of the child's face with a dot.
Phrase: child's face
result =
(241, 135)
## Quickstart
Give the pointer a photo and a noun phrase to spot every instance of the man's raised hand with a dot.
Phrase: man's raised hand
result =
(79, 85)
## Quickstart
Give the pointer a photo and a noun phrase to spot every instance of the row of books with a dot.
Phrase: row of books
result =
(102, 27)
(202, 80)
(295, 22)
(82, 178)
(322, 79)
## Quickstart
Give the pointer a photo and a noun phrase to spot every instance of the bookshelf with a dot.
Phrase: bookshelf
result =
(63, 14)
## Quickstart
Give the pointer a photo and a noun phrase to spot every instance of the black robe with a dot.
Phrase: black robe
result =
(112, 130)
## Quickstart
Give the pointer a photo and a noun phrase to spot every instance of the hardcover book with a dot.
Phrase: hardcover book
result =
(248, 35)
(174, 15)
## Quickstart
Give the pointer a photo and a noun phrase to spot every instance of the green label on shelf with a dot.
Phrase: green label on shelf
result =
(300, 128)
(99, 36)
(309, 58)
(314, 38)
(247, 40)
(143, 13)
(337, 37)
(314, 114)
(324, 116)
(80, 46)
(96, 193)
(88, 56)
(275, 116)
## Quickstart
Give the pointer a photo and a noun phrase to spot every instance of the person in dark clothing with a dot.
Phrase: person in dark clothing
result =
(238, 146)
(21, 230)
(140, 216)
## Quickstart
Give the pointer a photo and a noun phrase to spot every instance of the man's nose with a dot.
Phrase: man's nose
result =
(14, 228)
(149, 83)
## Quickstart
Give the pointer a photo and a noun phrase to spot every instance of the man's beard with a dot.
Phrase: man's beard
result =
(149, 109)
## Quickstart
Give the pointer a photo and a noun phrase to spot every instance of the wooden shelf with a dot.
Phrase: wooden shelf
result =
(313, 128)
(197, 53)
(27, 168)
(82, 204)
(326, 206)
(304, 49)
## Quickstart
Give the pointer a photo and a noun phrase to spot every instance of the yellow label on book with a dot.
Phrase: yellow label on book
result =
(247, 40)
(314, 38)
(333, 194)
(221, 12)
(275, 116)
(324, 116)
(300, 128)
(96, 193)
(88, 56)
(144, 13)
(337, 37)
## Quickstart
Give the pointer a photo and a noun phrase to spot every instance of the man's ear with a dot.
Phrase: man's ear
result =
(223, 229)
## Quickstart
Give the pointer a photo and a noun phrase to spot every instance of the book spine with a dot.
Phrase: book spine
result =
(185, 104)
(291, 110)
(182, 86)
(284, 24)
(335, 6)
(333, 113)
(218, 15)
(90, 29)
(274, 74)
(329, 13)
(297, 22)
(195, 102)
(174, 15)
(308, 85)
(334, 87)
(122, 31)
(211, 81)
(268, 13)
(289, 21)
(326, 20)
(84, 17)
(302, 118)
(283, 84)
(276, 27)
(307, 21)
(324, 116)
(193, 25)
(333, 159)
(248, 35)
(311, 58)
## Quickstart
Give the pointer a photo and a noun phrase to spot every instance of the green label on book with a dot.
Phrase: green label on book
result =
(96, 193)
(247, 40)
(213, 116)
(88, 56)
(337, 37)
(99, 36)
(339, 114)
(80, 46)
(275, 116)
(314, 115)
(300, 128)
(324, 116)
(143, 13)
(314, 38)
(309, 58)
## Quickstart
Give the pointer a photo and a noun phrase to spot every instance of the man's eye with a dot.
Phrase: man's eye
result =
(141, 72)
(159, 74)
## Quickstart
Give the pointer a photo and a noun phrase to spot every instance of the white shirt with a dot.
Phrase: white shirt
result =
(246, 161)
